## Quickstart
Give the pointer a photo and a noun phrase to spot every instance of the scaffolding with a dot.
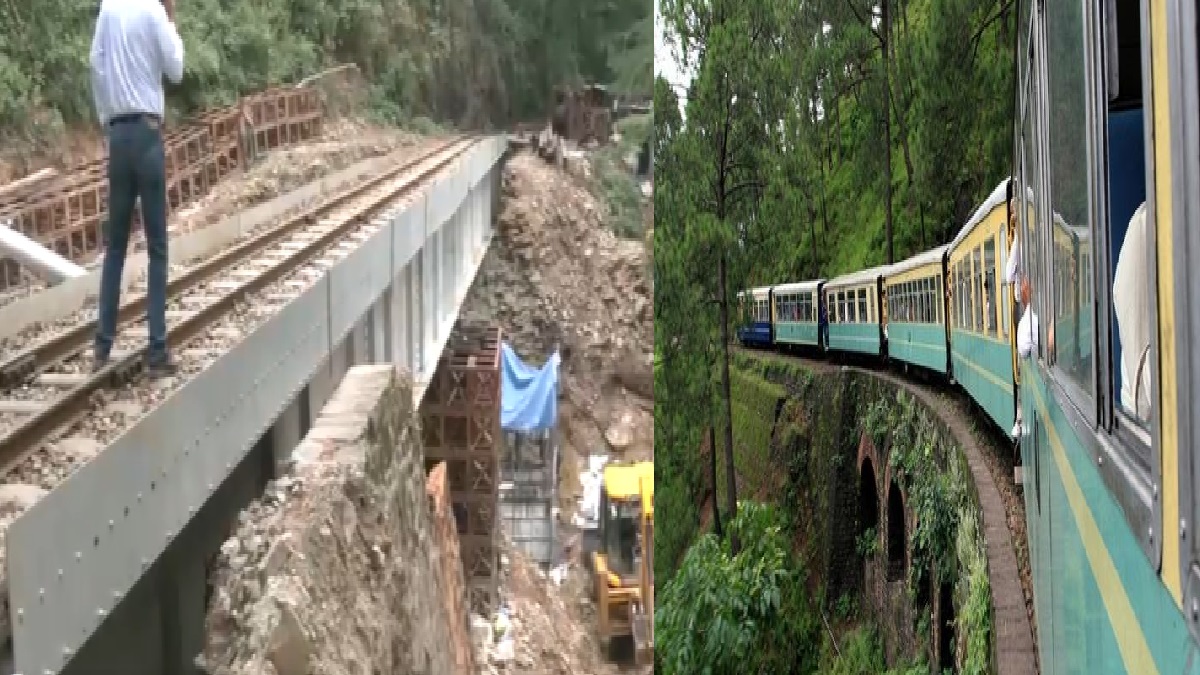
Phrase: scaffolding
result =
(528, 493)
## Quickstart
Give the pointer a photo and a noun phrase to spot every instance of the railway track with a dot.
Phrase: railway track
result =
(55, 413)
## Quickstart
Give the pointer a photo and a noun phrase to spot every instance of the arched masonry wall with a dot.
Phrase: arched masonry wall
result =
(835, 423)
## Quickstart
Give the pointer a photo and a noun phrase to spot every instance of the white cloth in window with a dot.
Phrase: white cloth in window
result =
(1027, 333)
(1131, 304)
(1012, 271)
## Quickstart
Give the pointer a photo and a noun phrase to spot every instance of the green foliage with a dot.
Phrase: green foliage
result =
(464, 63)
(755, 401)
(614, 185)
(678, 522)
(867, 544)
(860, 652)
(787, 372)
(974, 597)
(946, 532)
(737, 613)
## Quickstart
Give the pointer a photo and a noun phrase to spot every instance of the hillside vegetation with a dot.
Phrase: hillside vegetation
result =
(468, 63)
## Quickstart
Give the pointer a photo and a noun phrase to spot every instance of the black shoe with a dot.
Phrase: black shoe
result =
(161, 367)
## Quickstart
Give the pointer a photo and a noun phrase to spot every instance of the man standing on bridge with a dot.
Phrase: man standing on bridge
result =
(135, 45)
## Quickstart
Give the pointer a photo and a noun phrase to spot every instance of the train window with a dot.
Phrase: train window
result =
(1070, 349)
(966, 292)
(937, 299)
(918, 301)
(989, 287)
(976, 292)
(959, 323)
(862, 305)
(964, 283)
(1032, 264)
(1003, 300)
(959, 300)
(1129, 234)
(922, 307)
(930, 304)
(933, 299)
(922, 288)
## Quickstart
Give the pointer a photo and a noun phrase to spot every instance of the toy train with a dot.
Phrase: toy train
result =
(947, 310)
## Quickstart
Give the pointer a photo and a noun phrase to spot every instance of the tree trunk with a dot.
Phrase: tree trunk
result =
(887, 134)
(812, 229)
(712, 462)
(726, 401)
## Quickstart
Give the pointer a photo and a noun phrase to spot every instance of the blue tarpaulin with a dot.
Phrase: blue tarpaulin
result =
(528, 396)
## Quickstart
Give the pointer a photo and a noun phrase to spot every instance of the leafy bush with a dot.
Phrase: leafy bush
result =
(747, 613)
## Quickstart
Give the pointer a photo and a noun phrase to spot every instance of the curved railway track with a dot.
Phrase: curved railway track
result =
(47, 391)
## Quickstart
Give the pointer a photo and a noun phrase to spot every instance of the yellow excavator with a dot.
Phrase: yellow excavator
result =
(623, 566)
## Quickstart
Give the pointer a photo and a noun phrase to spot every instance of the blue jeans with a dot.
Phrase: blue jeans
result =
(136, 168)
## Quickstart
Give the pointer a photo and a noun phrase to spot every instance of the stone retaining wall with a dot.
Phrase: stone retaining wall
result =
(338, 567)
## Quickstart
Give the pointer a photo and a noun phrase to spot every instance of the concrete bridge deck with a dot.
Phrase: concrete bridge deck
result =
(106, 573)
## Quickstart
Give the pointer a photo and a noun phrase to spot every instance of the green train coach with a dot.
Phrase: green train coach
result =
(1082, 346)
(797, 313)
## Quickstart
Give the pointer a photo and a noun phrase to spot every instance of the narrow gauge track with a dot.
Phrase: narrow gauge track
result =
(48, 387)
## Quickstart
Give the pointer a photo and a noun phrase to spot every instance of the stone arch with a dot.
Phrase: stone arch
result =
(897, 539)
(945, 628)
(868, 499)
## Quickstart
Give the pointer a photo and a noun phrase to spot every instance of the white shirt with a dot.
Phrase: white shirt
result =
(1131, 304)
(1027, 333)
(135, 45)
(1012, 271)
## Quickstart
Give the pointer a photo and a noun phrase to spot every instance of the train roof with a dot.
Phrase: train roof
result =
(1080, 232)
(997, 198)
(920, 259)
(756, 293)
(860, 276)
(798, 287)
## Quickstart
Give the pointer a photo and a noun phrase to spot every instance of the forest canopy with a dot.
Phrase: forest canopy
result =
(461, 62)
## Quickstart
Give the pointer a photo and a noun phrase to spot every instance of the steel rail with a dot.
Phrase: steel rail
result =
(27, 438)
(52, 351)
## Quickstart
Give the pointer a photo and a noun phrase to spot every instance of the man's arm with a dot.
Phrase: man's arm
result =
(99, 88)
(170, 46)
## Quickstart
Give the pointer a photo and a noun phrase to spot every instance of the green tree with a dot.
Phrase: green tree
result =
(733, 112)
